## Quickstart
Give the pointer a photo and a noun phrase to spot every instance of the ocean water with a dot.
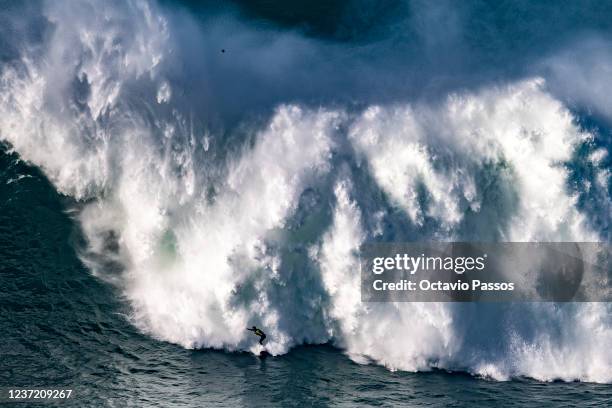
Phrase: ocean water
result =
(62, 327)
(172, 173)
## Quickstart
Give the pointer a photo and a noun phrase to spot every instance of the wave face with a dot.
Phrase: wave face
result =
(209, 228)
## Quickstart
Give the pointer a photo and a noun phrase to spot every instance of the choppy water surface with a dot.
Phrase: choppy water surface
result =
(196, 169)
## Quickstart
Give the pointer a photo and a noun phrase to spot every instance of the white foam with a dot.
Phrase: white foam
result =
(439, 147)
(208, 246)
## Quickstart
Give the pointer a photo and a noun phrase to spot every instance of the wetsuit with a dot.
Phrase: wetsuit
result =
(259, 333)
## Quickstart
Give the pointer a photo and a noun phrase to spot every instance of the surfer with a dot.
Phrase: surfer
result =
(258, 332)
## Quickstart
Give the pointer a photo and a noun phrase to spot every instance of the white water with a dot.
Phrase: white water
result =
(213, 238)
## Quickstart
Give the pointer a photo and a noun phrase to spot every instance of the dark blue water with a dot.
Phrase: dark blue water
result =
(62, 327)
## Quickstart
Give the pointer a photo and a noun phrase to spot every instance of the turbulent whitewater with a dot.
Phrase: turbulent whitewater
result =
(209, 228)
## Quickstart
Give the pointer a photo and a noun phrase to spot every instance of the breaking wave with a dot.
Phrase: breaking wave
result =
(210, 229)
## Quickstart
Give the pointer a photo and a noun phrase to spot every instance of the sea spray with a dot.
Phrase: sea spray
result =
(211, 236)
